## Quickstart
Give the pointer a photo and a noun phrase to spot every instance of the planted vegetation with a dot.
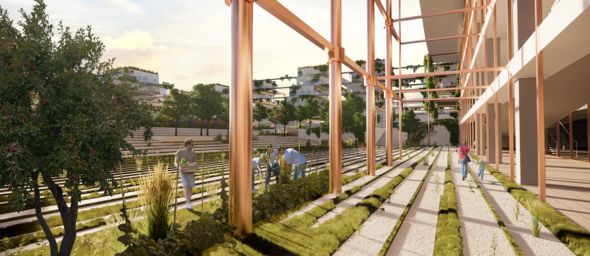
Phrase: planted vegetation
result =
(448, 239)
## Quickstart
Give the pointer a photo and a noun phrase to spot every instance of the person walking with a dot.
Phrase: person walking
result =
(187, 176)
(293, 158)
(256, 162)
(465, 159)
(482, 167)
(273, 168)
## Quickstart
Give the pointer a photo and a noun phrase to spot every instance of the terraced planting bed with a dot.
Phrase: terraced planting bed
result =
(94, 212)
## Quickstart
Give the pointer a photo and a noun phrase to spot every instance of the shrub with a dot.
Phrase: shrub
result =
(448, 237)
(155, 192)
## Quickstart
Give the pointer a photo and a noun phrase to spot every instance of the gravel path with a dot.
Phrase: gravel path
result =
(380, 224)
(367, 190)
(478, 224)
(504, 203)
(418, 231)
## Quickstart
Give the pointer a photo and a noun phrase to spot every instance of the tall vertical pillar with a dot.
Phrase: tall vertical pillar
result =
(588, 128)
(493, 147)
(488, 151)
(401, 104)
(240, 116)
(540, 98)
(571, 137)
(526, 132)
(370, 92)
(335, 92)
(558, 139)
(389, 84)
(510, 89)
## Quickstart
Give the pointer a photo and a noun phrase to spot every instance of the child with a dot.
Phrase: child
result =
(482, 167)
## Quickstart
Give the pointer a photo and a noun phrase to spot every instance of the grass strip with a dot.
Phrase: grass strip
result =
(448, 240)
(511, 240)
(327, 237)
(401, 219)
(576, 238)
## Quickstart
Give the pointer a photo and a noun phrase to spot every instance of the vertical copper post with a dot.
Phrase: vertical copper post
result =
(336, 99)
(510, 90)
(498, 152)
(540, 99)
(487, 131)
(571, 138)
(558, 147)
(389, 84)
(546, 144)
(588, 127)
(370, 89)
(481, 145)
(240, 132)
(428, 118)
(401, 104)
(486, 80)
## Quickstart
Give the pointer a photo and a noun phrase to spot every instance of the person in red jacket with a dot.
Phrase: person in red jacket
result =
(463, 151)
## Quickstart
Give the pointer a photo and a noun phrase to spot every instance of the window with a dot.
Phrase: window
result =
(145, 78)
(308, 92)
(163, 91)
(155, 81)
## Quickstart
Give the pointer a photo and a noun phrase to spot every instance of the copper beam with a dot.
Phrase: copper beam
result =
(441, 13)
(390, 29)
(440, 38)
(370, 90)
(510, 90)
(443, 99)
(335, 95)
(444, 54)
(400, 81)
(447, 89)
(388, 99)
(497, 111)
(571, 138)
(240, 131)
(540, 99)
(558, 154)
(450, 72)
(276, 9)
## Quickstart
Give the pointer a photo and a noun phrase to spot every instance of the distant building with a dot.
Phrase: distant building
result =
(148, 83)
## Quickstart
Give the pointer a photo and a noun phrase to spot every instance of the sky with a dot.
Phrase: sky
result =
(188, 42)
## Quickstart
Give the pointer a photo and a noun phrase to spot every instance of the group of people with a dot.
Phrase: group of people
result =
(295, 163)
(464, 159)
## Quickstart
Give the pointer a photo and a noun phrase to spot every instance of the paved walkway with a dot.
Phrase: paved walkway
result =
(568, 186)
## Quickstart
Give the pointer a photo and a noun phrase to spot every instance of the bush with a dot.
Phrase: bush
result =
(448, 236)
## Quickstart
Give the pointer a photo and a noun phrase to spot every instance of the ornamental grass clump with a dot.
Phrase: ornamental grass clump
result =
(537, 208)
(138, 163)
(156, 192)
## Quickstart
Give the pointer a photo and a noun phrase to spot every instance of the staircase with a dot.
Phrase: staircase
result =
(564, 140)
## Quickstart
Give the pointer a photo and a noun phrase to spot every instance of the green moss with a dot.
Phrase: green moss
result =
(297, 236)
(576, 238)
(509, 237)
(402, 217)
(448, 239)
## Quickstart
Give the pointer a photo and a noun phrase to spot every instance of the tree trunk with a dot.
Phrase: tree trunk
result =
(208, 121)
(300, 124)
(176, 128)
(201, 127)
(284, 129)
(39, 214)
(259, 125)
(310, 122)
(276, 128)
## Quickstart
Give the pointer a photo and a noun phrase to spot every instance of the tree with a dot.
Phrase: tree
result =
(260, 112)
(176, 105)
(313, 109)
(79, 123)
(353, 120)
(288, 114)
(274, 116)
(224, 116)
(207, 103)
(300, 114)
(414, 128)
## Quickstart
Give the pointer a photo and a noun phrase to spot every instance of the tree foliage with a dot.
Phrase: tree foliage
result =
(313, 109)
(207, 103)
(287, 114)
(79, 123)
(416, 130)
(301, 114)
(260, 112)
(176, 105)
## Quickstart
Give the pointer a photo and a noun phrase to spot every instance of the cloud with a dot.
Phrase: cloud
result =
(137, 48)
(127, 6)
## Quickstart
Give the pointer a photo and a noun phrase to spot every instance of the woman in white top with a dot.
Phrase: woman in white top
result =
(187, 178)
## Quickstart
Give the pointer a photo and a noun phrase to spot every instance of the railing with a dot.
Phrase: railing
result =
(568, 133)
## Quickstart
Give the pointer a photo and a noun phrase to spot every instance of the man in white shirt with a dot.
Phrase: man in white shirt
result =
(255, 167)
(293, 158)
(273, 167)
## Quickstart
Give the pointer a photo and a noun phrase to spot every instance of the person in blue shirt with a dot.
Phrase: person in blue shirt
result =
(273, 169)
(255, 168)
(293, 158)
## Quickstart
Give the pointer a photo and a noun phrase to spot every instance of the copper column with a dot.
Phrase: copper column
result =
(510, 91)
(370, 89)
(540, 100)
(389, 85)
(336, 99)
(401, 104)
(571, 138)
(240, 132)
